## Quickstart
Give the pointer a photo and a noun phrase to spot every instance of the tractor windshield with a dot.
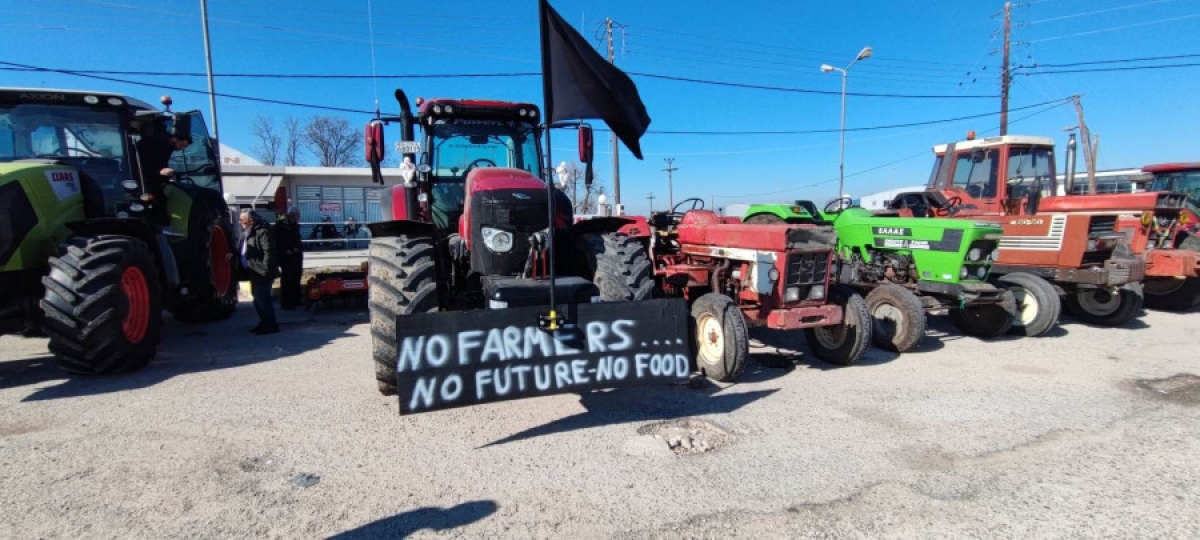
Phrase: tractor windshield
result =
(1187, 182)
(457, 146)
(1029, 170)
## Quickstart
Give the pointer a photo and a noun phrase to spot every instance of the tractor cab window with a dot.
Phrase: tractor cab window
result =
(458, 147)
(937, 165)
(197, 163)
(88, 139)
(1029, 170)
(975, 172)
(1180, 182)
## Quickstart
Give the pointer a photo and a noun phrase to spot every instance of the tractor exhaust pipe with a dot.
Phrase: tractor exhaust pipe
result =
(406, 134)
(1069, 173)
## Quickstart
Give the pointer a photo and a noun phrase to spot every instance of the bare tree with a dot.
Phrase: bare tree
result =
(583, 197)
(269, 140)
(292, 141)
(333, 141)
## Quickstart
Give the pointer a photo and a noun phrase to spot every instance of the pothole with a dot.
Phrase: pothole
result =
(687, 436)
(1181, 388)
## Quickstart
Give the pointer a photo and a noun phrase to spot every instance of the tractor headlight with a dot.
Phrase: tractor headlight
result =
(791, 295)
(1091, 245)
(981, 273)
(136, 207)
(816, 292)
(773, 274)
(130, 185)
(497, 240)
(964, 273)
(975, 254)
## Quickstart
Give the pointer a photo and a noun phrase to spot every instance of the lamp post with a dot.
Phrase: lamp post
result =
(826, 68)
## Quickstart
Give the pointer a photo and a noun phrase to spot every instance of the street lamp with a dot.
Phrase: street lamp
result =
(826, 68)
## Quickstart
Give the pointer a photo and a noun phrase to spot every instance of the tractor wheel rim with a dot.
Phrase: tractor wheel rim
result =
(712, 339)
(1099, 301)
(831, 337)
(887, 320)
(137, 296)
(1027, 306)
(219, 261)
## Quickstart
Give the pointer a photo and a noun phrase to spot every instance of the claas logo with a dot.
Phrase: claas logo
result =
(62, 176)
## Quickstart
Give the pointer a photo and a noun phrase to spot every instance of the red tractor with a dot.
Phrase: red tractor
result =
(1172, 275)
(1061, 240)
(470, 226)
(773, 276)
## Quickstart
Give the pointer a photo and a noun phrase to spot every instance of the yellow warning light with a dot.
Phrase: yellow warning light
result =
(1147, 219)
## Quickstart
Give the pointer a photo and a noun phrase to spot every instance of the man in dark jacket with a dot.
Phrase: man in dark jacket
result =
(291, 258)
(259, 260)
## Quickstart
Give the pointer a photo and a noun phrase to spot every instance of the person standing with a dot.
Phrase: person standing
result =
(291, 259)
(259, 260)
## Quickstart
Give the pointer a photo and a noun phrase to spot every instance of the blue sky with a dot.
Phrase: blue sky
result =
(933, 48)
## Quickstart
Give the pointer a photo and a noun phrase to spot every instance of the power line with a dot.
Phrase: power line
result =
(1120, 61)
(1097, 12)
(803, 90)
(1115, 28)
(1108, 69)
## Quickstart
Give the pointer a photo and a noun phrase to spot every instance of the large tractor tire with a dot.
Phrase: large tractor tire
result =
(1174, 294)
(764, 219)
(722, 343)
(898, 318)
(1038, 305)
(846, 343)
(402, 281)
(619, 265)
(206, 261)
(986, 320)
(103, 305)
(1103, 307)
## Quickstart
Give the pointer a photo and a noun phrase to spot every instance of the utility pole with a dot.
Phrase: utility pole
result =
(616, 159)
(670, 182)
(212, 98)
(1089, 146)
(1005, 79)
(651, 198)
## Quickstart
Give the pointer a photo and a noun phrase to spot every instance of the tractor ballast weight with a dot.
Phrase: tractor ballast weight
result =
(93, 252)
(1049, 249)
(774, 276)
(907, 266)
(470, 228)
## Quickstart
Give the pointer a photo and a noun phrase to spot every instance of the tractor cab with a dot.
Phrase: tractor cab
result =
(1179, 178)
(1005, 175)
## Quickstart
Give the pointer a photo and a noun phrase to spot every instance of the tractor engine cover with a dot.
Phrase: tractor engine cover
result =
(508, 201)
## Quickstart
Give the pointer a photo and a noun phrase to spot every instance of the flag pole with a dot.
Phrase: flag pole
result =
(548, 114)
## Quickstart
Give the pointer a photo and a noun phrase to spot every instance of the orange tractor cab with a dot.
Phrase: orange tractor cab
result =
(1053, 245)
(473, 239)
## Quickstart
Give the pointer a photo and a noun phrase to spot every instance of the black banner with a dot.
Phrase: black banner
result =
(456, 359)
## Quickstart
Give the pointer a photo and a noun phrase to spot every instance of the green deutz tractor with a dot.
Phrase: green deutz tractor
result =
(908, 266)
(93, 247)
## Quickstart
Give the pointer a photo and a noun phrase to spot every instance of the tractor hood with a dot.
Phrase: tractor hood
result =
(494, 178)
(861, 216)
(1113, 202)
(37, 199)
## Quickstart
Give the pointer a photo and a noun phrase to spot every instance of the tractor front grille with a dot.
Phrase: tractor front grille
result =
(1102, 225)
(807, 268)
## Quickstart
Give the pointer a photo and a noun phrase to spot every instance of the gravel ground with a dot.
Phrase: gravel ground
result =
(1089, 432)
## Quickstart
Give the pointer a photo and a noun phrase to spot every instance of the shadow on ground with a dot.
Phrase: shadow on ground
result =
(187, 348)
(438, 519)
(785, 351)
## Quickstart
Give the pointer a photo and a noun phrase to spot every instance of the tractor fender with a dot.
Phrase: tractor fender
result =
(636, 227)
(397, 227)
(135, 228)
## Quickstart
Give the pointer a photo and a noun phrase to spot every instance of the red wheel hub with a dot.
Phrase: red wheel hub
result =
(137, 294)
(222, 270)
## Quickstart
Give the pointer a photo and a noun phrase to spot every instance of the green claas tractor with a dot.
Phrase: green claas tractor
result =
(907, 266)
(110, 211)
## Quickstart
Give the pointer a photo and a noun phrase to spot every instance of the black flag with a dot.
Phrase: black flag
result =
(579, 83)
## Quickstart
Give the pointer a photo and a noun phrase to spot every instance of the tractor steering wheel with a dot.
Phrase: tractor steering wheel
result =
(481, 162)
(950, 208)
(696, 202)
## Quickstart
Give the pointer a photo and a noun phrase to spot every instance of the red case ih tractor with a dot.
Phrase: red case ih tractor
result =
(776, 276)
(1007, 180)
(469, 227)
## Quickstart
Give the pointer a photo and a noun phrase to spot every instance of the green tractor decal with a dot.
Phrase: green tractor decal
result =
(907, 266)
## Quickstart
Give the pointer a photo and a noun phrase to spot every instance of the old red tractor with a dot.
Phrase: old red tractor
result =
(737, 275)
(1052, 245)
(1172, 275)
(471, 226)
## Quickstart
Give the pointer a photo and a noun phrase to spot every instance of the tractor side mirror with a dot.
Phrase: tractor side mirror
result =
(585, 143)
(181, 127)
(373, 144)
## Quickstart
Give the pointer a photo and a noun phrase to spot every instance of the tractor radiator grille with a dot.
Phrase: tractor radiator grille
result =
(807, 268)
(1102, 225)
